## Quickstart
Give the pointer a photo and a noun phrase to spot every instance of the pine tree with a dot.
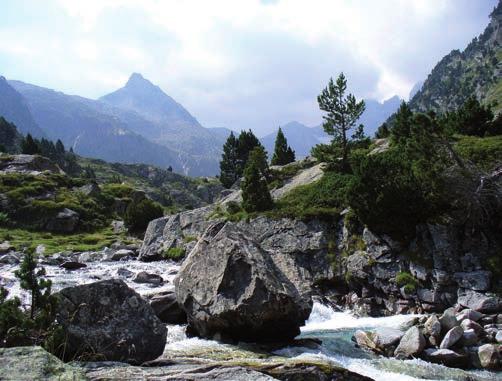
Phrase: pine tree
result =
(401, 129)
(29, 146)
(246, 143)
(33, 281)
(342, 113)
(283, 154)
(60, 147)
(255, 194)
(228, 164)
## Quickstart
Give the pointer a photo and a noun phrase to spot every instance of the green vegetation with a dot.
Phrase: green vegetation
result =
(140, 213)
(10, 139)
(235, 156)
(21, 239)
(36, 326)
(283, 154)
(255, 194)
(342, 113)
(325, 197)
(486, 152)
(406, 280)
(174, 253)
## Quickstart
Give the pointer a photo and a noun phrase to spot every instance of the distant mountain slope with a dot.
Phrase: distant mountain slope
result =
(83, 125)
(300, 137)
(14, 109)
(175, 127)
(222, 132)
(475, 71)
(376, 113)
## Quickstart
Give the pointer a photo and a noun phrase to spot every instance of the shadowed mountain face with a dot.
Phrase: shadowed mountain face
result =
(91, 128)
(14, 109)
(198, 148)
(475, 71)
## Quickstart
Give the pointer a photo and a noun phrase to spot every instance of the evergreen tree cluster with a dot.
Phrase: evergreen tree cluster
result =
(56, 152)
(235, 156)
(255, 194)
(10, 139)
(283, 154)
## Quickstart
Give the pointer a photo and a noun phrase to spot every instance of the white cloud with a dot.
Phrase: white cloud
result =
(247, 62)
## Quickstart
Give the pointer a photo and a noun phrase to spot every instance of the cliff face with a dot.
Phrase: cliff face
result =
(475, 71)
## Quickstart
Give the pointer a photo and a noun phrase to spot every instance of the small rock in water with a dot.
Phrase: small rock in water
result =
(10, 259)
(72, 265)
(5, 247)
(125, 273)
(120, 254)
(447, 357)
(167, 309)
(144, 277)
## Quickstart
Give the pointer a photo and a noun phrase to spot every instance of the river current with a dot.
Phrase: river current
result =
(333, 328)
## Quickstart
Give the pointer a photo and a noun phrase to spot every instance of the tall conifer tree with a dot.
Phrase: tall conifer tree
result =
(283, 154)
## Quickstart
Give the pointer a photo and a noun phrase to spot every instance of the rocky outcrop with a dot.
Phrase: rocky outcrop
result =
(181, 230)
(304, 177)
(27, 164)
(107, 320)
(231, 288)
(34, 363)
(65, 221)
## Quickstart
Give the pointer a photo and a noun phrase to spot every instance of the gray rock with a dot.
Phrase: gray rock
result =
(489, 356)
(467, 324)
(469, 314)
(125, 273)
(452, 337)
(230, 287)
(92, 189)
(432, 329)
(167, 309)
(469, 338)
(144, 277)
(411, 344)
(72, 265)
(118, 227)
(11, 258)
(304, 177)
(28, 164)
(448, 320)
(480, 302)
(107, 320)
(5, 247)
(66, 221)
(34, 363)
(498, 337)
(122, 253)
(447, 357)
(475, 280)
(381, 340)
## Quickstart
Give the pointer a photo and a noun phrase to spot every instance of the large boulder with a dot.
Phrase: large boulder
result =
(35, 363)
(382, 340)
(167, 309)
(411, 345)
(447, 357)
(107, 320)
(489, 356)
(176, 231)
(28, 164)
(65, 221)
(480, 302)
(230, 288)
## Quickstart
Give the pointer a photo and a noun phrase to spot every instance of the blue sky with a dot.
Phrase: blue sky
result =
(235, 63)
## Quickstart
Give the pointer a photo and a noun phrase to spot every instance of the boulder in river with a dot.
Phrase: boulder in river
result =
(230, 288)
(72, 265)
(447, 357)
(144, 277)
(489, 356)
(452, 337)
(167, 309)
(107, 320)
(411, 345)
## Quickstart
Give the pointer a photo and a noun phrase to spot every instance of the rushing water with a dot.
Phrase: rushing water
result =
(333, 328)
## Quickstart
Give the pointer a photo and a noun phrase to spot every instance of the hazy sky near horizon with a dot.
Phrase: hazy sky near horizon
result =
(235, 63)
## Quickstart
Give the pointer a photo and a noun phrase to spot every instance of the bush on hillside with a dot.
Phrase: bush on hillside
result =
(139, 214)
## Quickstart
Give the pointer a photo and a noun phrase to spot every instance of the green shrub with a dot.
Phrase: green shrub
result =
(139, 214)
(189, 238)
(325, 197)
(484, 152)
(174, 253)
(408, 281)
(4, 219)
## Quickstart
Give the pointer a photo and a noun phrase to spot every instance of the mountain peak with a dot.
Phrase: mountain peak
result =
(136, 79)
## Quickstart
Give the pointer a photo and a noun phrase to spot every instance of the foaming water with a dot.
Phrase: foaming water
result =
(96, 271)
(324, 317)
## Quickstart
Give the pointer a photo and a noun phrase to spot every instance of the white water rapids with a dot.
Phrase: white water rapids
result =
(333, 328)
